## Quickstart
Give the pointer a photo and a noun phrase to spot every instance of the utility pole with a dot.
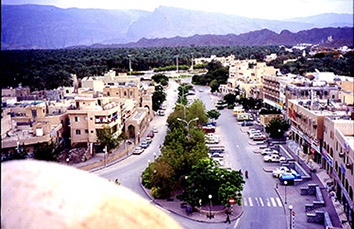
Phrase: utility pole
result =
(192, 61)
(130, 64)
(177, 63)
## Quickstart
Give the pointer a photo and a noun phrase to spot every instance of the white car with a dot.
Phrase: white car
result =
(155, 130)
(254, 134)
(211, 140)
(217, 155)
(148, 140)
(269, 151)
(253, 131)
(273, 158)
(282, 170)
(138, 150)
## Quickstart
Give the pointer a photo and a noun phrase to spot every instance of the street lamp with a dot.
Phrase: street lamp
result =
(195, 119)
(184, 109)
(130, 64)
(177, 62)
(148, 161)
(290, 209)
(192, 61)
(285, 183)
(210, 196)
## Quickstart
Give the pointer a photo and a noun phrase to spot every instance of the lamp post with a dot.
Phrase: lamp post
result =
(285, 183)
(290, 209)
(200, 205)
(104, 156)
(184, 109)
(177, 62)
(195, 119)
(192, 61)
(130, 64)
(210, 196)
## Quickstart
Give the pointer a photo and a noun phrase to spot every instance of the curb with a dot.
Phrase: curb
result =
(281, 199)
(186, 217)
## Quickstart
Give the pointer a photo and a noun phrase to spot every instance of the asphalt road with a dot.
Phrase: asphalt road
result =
(262, 207)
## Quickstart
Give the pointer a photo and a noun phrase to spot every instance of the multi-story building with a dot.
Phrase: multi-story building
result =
(338, 158)
(307, 118)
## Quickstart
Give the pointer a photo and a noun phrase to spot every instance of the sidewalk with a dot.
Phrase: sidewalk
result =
(334, 209)
(174, 206)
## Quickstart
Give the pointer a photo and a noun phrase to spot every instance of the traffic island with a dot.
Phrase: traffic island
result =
(205, 213)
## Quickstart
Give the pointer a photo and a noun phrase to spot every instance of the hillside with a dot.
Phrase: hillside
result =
(341, 36)
(49, 27)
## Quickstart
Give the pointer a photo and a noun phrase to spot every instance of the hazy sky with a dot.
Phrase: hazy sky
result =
(268, 9)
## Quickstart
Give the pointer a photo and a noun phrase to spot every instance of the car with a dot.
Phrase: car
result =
(219, 161)
(216, 151)
(289, 177)
(259, 137)
(155, 130)
(200, 90)
(247, 123)
(151, 134)
(144, 144)
(148, 139)
(274, 158)
(129, 142)
(217, 155)
(138, 150)
(163, 107)
(161, 112)
(282, 170)
(253, 131)
(211, 139)
(269, 151)
(254, 134)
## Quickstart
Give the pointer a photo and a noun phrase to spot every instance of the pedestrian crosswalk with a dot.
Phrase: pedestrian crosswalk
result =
(261, 202)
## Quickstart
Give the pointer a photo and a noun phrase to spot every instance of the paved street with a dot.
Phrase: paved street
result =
(263, 208)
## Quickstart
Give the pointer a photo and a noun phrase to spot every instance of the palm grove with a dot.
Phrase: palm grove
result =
(184, 168)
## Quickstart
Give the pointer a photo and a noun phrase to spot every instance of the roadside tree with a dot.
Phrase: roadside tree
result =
(277, 127)
(107, 138)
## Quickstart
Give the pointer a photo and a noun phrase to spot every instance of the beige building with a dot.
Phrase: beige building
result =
(307, 124)
(338, 158)
(15, 92)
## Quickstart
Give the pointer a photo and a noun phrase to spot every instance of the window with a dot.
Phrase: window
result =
(86, 118)
(91, 131)
(77, 119)
(86, 131)
(78, 132)
(91, 118)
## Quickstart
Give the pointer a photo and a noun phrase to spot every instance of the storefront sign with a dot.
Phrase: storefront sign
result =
(327, 157)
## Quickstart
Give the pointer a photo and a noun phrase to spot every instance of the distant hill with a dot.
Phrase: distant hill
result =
(40, 26)
(340, 36)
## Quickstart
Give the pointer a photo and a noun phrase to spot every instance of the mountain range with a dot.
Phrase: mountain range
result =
(49, 27)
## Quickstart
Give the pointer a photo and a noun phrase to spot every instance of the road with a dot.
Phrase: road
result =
(262, 207)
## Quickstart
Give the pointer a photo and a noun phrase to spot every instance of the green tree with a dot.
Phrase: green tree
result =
(106, 137)
(277, 127)
(214, 85)
(46, 152)
(160, 78)
(213, 114)
(206, 178)
(230, 98)
(158, 97)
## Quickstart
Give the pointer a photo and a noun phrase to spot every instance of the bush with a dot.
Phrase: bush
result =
(231, 106)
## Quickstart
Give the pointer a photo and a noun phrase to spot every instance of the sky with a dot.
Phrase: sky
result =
(266, 9)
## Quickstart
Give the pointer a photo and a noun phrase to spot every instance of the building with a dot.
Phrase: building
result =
(338, 158)
(307, 124)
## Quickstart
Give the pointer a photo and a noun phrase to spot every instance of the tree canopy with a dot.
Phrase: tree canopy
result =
(277, 127)
(107, 138)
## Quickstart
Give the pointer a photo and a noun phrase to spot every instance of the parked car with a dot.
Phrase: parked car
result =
(148, 139)
(253, 131)
(211, 139)
(129, 142)
(219, 161)
(138, 150)
(214, 155)
(151, 134)
(282, 170)
(161, 112)
(155, 130)
(144, 144)
(216, 151)
(259, 137)
(254, 134)
(289, 177)
(269, 151)
(247, 123)
(273, 158)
